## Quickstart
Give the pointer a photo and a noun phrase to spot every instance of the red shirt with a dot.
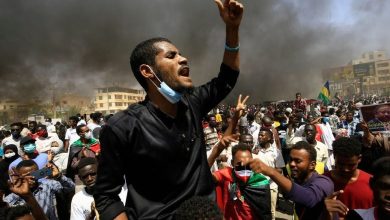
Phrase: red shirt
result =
(232, 209)
(358, 194)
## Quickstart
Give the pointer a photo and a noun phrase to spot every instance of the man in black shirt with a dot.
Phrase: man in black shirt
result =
(157, 145)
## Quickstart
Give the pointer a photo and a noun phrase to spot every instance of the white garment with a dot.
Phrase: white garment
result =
(61, 161)
(271, 156)
(44, 144)
(327, 135)
(81, 203)
(81, 122)
(10, 140)
(92, 126)
(71, 135)
(321, 148)
(254, 130)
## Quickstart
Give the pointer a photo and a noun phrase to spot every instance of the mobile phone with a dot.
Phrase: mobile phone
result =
(42, 173)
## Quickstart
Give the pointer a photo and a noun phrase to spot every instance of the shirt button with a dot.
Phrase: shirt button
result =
(183, 135)
(188, 149)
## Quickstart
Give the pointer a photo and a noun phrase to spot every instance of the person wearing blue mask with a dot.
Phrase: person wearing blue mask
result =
(158, 144)
(30, 153)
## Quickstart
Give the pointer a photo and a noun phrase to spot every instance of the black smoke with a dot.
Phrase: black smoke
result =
(76, 46)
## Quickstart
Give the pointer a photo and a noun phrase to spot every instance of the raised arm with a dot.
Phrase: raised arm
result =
(231, 12)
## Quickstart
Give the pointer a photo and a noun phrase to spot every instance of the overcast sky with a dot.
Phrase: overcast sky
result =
(76, 46)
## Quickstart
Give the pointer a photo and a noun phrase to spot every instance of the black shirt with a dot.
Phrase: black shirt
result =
(162, 158)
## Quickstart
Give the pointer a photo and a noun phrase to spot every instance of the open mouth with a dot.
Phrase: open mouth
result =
(184, 71)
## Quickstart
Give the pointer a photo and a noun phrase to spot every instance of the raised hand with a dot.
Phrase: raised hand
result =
(19, 184)
(241, 106)
(231, 12)
(334, 206)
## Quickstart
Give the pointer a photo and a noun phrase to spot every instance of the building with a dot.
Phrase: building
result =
(69, 104)
(367, 75)
(110, 100)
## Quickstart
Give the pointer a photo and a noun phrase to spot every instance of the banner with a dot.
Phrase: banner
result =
(377, 116)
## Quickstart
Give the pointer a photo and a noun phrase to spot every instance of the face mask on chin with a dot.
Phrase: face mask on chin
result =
(171, 95)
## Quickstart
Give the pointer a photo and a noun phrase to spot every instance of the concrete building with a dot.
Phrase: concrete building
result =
(110, 100)
(367, 75)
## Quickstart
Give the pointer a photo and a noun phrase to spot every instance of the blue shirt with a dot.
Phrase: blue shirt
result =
(41, 161)
(45, 195)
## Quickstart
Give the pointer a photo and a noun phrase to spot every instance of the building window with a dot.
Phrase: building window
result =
(109, 96)
(112, 111)
(101, 105)
(383, 64)
(118, 96)
(110, 104)
(100, 97)
(383, 72)
(118, 103)
(386, 78)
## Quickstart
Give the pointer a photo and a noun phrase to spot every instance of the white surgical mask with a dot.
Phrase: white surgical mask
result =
(9, 155)
(171, 95)
(88, 135)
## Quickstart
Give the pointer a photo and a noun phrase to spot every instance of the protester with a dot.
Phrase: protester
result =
(85, 146)
(353, 182)
(44, 141)
(71, 134)
(271, 156)
(308, 189)
(30, 153)
(10, 154)
(43, 190)
(310, 133)
(15, 137)
(83, 200)
(163, 134)
(246, 195)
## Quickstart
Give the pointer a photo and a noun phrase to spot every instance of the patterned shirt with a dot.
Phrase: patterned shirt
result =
(45, 195)
(211, 137)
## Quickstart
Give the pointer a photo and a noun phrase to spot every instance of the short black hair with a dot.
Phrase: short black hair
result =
(78, 128)
(198, 208)
(209, 116)
(250, 117)
(74, 118)
(347, 147)
(16, 212)
(306, 146)
(26, 163)
(381, 167)
(240, 147)
(86, 161)
(145, 53)
(20, 124)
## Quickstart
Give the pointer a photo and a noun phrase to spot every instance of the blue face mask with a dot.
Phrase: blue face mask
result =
(325, 120)
(29, 148)
(171, 95)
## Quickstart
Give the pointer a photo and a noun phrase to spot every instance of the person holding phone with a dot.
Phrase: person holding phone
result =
(160, 140)
(43, 189)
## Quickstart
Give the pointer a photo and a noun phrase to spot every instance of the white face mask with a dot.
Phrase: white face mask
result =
(88, 135)
(9, 155)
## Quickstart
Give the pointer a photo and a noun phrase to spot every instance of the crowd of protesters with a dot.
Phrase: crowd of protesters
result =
(326, 161)
(176, 155)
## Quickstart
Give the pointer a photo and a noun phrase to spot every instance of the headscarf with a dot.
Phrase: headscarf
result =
(14, 149)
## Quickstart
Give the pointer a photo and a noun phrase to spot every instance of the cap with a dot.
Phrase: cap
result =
(289, 110)
(26, 140)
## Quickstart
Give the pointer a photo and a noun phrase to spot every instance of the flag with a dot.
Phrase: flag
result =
(324, 95)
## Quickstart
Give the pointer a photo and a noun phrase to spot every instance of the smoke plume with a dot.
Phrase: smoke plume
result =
(76, 46)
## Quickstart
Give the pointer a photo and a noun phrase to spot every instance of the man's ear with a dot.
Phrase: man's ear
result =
(312, 165)
(146, 71)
